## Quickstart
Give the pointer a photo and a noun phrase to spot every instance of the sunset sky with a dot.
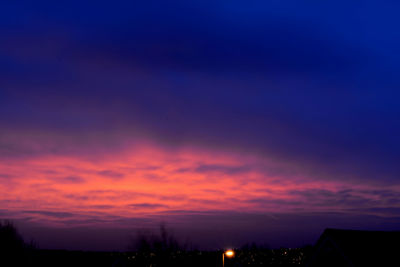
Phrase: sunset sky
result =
(229, 121)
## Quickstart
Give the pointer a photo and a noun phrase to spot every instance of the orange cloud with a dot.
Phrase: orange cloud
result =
(148, 180)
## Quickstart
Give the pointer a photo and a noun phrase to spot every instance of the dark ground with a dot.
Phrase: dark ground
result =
(155, 250)
(243, 257)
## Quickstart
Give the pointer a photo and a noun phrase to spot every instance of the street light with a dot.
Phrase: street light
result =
(229, 253)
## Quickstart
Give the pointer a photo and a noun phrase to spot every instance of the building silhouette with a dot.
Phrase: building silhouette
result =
(353, 248)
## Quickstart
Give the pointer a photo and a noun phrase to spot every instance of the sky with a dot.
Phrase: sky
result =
(229, 121)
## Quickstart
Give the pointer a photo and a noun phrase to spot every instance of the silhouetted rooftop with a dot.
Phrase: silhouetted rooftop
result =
(357, 248)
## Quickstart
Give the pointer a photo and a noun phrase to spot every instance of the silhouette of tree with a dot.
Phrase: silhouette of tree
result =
(13, 249)
(164, 241)
(10, 239)
(156, 249)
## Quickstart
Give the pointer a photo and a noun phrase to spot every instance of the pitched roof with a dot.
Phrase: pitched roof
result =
(363, 248)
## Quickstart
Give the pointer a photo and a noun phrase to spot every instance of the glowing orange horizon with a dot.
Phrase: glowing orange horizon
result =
(148, 181)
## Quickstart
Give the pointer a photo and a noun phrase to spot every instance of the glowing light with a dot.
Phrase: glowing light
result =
(229, 253)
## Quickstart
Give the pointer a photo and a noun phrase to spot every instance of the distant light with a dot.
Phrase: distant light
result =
(229, 253)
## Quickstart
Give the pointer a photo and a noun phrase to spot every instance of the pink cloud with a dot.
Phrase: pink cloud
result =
(147, 180)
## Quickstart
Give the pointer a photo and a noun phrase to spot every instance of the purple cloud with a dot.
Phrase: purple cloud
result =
(111, 174)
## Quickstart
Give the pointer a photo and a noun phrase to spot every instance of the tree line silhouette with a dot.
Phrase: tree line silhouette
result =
(146, 249)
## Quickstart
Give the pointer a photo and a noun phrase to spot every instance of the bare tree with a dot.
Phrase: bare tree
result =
(147, 241)
(13, 249)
